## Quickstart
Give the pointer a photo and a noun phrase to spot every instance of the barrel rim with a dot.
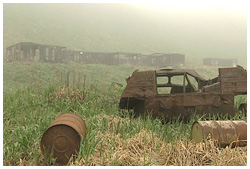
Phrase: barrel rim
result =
(71, 115)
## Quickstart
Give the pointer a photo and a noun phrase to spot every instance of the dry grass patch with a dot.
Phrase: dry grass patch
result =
(147, 149)
(74, 95)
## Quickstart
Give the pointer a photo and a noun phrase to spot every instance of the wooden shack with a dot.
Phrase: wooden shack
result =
(29, 51)
(164, 59)
(220, 62)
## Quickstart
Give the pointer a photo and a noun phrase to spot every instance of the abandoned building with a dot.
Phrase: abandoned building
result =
(220, 62)
(29, 51)
(75, 56)
(131, 58)
(164, 59)
(107, 58)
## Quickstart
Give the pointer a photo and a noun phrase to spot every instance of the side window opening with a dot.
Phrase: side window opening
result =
(163, 85)
(164, 90)
(192, 82)
(170, 84)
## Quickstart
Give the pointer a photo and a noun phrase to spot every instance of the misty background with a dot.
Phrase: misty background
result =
(211, 32)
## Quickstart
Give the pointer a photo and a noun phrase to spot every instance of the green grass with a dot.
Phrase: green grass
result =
(30, 107)
(19, 75)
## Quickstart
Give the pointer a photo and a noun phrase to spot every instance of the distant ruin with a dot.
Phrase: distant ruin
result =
(29, 51)
(220, 62)
(163, 59)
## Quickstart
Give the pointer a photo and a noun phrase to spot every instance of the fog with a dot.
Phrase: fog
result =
(198, 30)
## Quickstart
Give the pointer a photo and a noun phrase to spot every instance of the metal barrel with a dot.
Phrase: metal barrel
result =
(62, 137)
(226, 133)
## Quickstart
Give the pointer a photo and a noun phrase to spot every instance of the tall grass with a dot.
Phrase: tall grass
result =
(29, 111)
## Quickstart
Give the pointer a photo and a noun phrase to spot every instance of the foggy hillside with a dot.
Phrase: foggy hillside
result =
(129, 28)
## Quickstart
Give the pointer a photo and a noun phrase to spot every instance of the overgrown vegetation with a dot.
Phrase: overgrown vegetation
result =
(35, 94)
(113, 136)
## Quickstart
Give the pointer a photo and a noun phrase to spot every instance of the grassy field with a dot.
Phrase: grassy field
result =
(35, 94)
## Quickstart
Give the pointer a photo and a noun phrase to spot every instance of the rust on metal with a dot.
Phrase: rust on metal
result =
(173, 93)
(62, 137)
(225, 133)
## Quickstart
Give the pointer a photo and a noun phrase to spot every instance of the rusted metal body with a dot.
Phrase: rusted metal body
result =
(219, 62)
(62, 137)
(225, 133)
(173, 93)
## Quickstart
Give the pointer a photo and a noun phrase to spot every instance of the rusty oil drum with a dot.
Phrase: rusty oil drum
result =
(64, 135)
(233, 133)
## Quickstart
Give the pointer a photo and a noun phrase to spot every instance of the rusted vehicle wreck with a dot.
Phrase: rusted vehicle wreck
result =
(178, 93)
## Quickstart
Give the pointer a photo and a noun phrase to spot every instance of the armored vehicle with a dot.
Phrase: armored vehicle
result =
(179, 93)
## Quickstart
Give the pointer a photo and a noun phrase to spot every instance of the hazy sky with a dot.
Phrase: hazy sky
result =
(194, 4)
(193, 24)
